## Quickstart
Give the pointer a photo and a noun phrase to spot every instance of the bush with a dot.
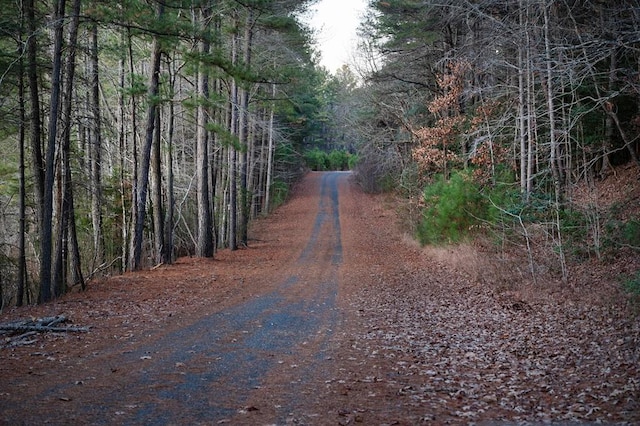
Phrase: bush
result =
(335, 160)
(316, 159)
(279, 193)
(453, 208)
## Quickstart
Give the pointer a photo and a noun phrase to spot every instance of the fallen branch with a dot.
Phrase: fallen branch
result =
(42, 328)
(47, 324)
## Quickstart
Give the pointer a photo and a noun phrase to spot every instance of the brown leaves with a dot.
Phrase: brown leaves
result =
(464, 354)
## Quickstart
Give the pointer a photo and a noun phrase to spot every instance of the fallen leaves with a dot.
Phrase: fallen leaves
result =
(463, 353)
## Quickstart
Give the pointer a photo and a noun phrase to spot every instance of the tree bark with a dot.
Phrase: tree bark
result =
(143, 176)
(67, 228)
(95, 149)
(167, 252)
(244, 134)
(522, 122)
(36, 119)
(205, 235)
(22, 257)
(233, 155)
(156, 192)
(270, 153)
(46, 228)
(553, 144)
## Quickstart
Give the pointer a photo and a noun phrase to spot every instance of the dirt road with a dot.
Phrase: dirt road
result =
(330, 316)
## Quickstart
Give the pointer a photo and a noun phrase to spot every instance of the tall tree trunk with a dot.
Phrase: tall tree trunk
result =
(167, 252)
(46, 228)
(135, 178)
(205, 234)
(244, 134)
(270, 153)
(95, 149)
(233, 154)
(156, 192)
(36, 119)
(522, 122)
(143, 176)
(22, 257)
(122, 151)
(66, 228)
(553, 143)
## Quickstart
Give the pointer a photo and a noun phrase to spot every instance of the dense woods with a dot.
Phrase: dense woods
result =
(133, 132)
(490, 115)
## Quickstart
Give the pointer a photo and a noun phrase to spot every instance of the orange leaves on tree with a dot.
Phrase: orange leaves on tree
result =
(433, 150)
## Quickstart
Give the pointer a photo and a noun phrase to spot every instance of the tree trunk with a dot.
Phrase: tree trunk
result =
(233, 156)
(95, 150)
(522, 122)
(143, 176)
(205, 234)
(122, 155)
(36, 120)
(66, 228)
(46, 229)
(270, 153)
(167, 252)
(22, 257)
(553, 144)
(244, 134)
(156, 192)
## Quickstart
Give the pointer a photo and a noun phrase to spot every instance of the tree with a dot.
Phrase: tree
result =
(205, 246)
(143, 176)
(46, 226)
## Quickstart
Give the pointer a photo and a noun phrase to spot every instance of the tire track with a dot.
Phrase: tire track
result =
(206, 372)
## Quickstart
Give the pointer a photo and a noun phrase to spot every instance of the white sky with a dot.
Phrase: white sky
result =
(336, 22)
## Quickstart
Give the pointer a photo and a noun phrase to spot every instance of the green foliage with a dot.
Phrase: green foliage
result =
(319, 160)
(632, 285)
(623, 232)
(280, 192)
(453, 208)
(338, 160)
(352, 162)
(458, 207)
(316, 159)
(631, 233)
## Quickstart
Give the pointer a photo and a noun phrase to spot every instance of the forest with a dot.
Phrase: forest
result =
(134, 132)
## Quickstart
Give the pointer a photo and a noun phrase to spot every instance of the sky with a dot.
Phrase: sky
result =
(336, 22)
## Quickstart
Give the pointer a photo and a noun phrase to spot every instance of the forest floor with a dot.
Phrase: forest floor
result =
(333, 316)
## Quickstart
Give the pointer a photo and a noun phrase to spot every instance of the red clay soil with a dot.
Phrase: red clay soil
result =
(387, 333)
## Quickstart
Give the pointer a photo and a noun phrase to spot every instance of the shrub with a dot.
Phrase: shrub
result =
(338, 160)
(316, 159)
(280, 192)
(335, 160)
(453, 208)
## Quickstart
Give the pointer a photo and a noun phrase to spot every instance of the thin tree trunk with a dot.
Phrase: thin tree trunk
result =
(36, 119)
(205, 235)
(67, 217)
(244, 134)
(143, 176)
(270, 153)
(122, 150)
(553, 144)
(156, 192)
(135, 179)
(95, 150)
(521, 111)
(167, 252)
(22, 257)
(233, 156)
(46, 230)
